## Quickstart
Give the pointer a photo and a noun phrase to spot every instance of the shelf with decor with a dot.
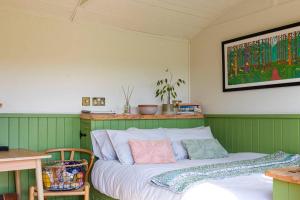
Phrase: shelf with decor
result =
(88, 116)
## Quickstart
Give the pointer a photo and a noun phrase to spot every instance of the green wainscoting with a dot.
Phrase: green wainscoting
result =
(257, 133)
(285, 191)
(36, 132)
(238, 133)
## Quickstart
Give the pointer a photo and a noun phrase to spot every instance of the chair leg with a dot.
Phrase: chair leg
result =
(87, 192)
(31, 193)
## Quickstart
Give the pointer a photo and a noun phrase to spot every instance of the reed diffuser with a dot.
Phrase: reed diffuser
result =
(127, 95)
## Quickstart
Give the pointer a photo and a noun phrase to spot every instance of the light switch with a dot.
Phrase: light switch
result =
(86, 101)
(98, 101)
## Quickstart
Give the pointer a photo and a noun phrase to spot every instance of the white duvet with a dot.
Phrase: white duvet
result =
(132, 182)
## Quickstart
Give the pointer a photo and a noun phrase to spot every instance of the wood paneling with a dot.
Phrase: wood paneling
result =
(153, 17)
(35, 132)
(284, 190)
(257, 133)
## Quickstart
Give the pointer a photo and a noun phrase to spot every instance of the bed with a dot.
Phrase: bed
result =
(191, 164)
(132, 182)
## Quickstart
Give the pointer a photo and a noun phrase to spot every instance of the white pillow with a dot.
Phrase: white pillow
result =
(96, 146)
(120, 138)
(176, 135)
(140, 130)
(102, 146)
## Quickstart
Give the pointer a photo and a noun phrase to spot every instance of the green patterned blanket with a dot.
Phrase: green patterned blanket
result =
(179, 180)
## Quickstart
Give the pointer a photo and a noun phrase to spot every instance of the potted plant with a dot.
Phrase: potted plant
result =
(166, 88)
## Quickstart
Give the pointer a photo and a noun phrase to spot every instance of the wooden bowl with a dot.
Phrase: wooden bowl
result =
(148, 109)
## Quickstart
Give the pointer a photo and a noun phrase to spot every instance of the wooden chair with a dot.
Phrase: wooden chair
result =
(83, 191)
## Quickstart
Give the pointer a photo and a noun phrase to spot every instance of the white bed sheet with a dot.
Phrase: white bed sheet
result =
(132, 182)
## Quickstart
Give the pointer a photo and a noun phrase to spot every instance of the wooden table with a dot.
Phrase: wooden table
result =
(286, 183)
(20, 159)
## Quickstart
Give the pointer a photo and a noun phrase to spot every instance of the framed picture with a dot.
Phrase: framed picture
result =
(262, 60)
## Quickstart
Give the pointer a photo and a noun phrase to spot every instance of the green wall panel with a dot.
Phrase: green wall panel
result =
(36, 132)
(256, 133)
(285, 191)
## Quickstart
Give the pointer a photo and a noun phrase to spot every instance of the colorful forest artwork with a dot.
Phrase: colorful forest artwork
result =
(267, 59)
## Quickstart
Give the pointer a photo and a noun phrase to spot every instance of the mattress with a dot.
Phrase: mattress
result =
(132, 182)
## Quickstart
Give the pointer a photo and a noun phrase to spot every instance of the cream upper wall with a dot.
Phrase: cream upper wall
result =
(206, 66)
(47, 64)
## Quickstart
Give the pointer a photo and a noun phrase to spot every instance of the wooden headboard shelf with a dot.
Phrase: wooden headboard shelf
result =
(99, 117)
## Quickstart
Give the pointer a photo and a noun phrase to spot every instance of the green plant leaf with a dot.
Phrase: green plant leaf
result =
(173, 95)
(164, 87)
(157, 93)
(181, 81)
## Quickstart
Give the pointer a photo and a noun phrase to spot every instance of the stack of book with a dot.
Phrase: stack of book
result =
(188, 108)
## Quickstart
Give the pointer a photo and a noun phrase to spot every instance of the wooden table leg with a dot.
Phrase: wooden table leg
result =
(18, 184)
(39, 183)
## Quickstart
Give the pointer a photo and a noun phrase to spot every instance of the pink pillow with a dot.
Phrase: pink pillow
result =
(151, 151)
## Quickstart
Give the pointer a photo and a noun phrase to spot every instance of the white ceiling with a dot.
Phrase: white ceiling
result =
(176, 18)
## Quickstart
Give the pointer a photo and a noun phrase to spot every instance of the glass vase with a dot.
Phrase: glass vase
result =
(127, 108)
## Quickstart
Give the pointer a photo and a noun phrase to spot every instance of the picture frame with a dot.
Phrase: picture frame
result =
(265, 59)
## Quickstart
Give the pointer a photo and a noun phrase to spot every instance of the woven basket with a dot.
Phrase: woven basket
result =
(64, 175)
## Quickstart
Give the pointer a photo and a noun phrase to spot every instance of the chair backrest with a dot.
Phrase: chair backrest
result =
(72, 152)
